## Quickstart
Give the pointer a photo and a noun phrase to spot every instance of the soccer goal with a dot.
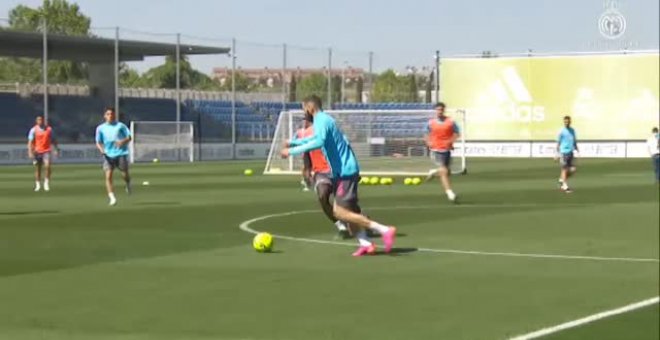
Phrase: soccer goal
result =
(386, 142)
(164, 141)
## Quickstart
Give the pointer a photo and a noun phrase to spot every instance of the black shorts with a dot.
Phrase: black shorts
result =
(120, 163)
(307, 161)
(321, 179)
(566, 160)
(346, 192)
(441, 158)
(41, 157)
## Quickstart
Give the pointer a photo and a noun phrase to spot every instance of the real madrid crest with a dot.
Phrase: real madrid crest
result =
(612, 24)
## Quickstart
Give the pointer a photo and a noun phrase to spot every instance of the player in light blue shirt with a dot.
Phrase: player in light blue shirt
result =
(112, 138)
(345, 172)
(566, 148)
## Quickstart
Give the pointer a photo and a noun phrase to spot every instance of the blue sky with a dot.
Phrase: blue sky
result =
(400, 33)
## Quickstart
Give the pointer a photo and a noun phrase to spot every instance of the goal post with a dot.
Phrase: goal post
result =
(386, 142)
(165, 141)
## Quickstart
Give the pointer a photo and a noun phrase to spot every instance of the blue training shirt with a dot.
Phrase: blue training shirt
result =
(109, 133)
(328, 137)
(566, 140)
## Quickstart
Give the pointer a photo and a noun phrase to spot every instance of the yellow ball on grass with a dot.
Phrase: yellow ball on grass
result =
(416, 181)
(263, 242)
(407, 181)
(248, 172)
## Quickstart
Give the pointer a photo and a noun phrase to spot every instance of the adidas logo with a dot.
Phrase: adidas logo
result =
(508, 99)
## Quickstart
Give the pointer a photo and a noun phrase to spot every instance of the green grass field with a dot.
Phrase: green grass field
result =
(170, 262)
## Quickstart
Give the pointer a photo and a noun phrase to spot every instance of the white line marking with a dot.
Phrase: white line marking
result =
(245, 226)
(588, 319)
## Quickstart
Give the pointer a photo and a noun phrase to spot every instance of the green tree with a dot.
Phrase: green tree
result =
(316, 83)
(389, 87)
(293, 84)
(164, 76)
(61, 17)
(359, 88)
(243, 83)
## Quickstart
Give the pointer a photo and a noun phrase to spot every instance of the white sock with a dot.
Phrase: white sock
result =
(46, 181)
(564, 185)
(112, 196)
(37, 184)
(363, 239)
(450, 194)
(340, 226)
(378, 227)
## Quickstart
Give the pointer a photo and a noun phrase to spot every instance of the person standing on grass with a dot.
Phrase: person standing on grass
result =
(112, 139)
(566, 149)
(41, 141)
(345, 175)
(442, 133)
(653, 145)
(306, 172)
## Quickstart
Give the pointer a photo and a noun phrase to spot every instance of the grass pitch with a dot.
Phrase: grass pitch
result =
(170, 262)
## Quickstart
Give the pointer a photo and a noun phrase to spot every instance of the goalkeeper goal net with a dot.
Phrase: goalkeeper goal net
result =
(163, 141)
(386, 142)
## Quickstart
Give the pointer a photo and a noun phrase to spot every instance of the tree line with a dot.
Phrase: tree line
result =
(66, 18)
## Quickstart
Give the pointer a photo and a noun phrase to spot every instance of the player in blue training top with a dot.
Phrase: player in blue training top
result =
(566, 146)
(112, 139)
(345, 174)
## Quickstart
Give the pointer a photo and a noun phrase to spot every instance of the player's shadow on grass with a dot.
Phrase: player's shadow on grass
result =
(29, 212)
(398, 251)
(162, 203)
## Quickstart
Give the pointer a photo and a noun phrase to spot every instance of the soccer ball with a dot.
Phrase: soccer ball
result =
(374, 180)
(248, 172)
(408, 181)
(263, 242)
(416, 181)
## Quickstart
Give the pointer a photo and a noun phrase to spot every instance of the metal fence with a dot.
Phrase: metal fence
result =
(232, 97)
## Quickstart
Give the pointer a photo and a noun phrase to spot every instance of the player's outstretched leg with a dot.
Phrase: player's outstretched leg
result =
(47, 177)
(446, 184)
(323, 191)
(109, 188)
(388, 234)
(37, 175)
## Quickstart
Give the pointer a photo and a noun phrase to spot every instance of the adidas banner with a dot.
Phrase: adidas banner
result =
(610, 97)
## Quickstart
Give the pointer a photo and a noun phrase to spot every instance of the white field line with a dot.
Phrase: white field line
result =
(245, 226)
(588, 319)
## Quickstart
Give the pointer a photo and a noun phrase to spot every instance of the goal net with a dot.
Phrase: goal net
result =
(386, 142)
(165, 141)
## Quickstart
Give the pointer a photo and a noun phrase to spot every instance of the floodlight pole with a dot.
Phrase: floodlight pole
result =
(283, 79)
(233, 98)
(117, 72)
(178, 77)
(329, 103)
(437, 76)
(44, 66)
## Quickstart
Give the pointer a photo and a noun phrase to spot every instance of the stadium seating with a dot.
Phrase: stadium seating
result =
(75, 117)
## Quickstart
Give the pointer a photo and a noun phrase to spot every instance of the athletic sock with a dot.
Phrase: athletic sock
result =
(340, 226)
(112, 196)
(378, 227)
(450, 193)
(363, 239)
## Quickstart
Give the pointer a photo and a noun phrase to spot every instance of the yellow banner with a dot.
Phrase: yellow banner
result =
(610, 97)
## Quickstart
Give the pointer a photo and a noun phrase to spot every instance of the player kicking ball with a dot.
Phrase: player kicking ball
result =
(40, 145)
(442, 132)
(345, 175)
(566, 147)
(320, 174)
(112, 139)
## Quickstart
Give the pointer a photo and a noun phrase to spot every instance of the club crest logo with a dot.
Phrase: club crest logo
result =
(612, 23)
